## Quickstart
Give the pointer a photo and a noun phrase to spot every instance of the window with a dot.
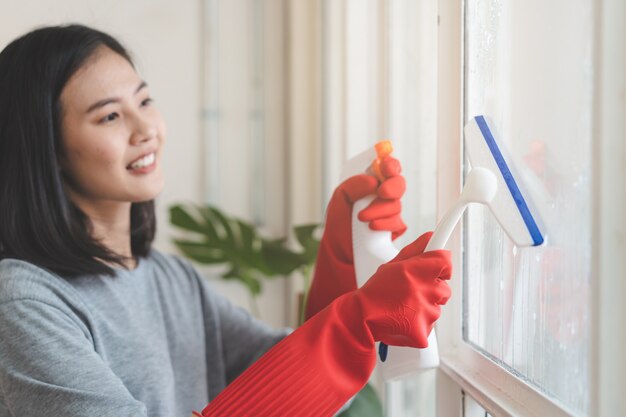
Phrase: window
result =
(534, 330)
(528, 309)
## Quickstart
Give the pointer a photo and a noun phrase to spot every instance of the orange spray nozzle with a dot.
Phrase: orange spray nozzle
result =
(383, 149)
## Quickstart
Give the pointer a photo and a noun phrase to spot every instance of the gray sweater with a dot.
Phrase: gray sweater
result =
(155, 341)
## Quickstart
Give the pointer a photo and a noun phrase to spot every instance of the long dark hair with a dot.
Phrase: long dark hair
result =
(38, 222)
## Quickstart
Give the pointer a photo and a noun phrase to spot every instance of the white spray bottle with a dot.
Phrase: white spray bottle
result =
(371, 249)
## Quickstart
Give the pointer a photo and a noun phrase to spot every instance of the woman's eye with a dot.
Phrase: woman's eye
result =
(146, 102)
(109, 118)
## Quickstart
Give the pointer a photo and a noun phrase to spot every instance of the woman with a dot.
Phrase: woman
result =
(95, 322)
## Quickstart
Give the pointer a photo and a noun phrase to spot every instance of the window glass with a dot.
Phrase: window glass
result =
(471, 408)
(528, 69)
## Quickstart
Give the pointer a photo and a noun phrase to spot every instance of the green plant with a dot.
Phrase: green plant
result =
(214, 238)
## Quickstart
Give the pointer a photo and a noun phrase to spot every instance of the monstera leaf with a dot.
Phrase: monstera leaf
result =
(310, 244)
(283, 260)
(215, 238)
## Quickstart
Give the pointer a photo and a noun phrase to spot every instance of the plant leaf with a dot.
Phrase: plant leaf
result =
(305, 234)
(238, 245)
(209, 223)
(365, 404)
(225, 224)
(247, 235)
(281, 260)
(200, 252)
(306, 237)
(180, 217)
(251, 247)
(245, 277)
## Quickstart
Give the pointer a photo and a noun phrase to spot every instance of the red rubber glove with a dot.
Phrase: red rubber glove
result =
(328, 359)
(334, 269)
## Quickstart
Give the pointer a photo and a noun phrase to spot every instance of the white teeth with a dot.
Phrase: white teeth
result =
(144, 162)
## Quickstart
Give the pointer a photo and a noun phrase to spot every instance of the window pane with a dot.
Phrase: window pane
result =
(471, 408)
(528, 69)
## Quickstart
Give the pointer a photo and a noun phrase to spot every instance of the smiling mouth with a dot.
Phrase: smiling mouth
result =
(143, 162)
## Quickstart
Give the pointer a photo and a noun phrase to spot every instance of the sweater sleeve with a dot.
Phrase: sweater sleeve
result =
(48, 365)
(243, 338)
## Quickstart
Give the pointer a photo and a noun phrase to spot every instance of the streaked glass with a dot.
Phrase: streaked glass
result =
(528, 67)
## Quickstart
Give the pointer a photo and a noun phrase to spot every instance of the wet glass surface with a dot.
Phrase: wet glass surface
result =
(528, 69)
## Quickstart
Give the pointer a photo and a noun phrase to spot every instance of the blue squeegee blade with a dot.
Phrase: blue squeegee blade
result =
(518, 197)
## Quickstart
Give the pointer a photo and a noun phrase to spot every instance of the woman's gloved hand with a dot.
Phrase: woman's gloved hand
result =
(403, 299)
(334, 270)
(316, 369)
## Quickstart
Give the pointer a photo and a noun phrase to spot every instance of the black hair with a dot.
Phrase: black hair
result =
(38, 221)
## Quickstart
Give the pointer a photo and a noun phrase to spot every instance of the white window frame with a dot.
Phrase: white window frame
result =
(463, 369)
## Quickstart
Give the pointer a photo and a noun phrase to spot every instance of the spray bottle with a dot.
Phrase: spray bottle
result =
(373, 248)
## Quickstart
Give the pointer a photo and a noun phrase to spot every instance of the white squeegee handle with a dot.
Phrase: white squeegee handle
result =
(480, 187)
(444, 228)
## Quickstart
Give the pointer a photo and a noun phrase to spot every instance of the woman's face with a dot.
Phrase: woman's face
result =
(112, 134)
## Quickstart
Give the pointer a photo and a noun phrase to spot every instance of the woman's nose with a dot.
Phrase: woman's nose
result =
(144, 129)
